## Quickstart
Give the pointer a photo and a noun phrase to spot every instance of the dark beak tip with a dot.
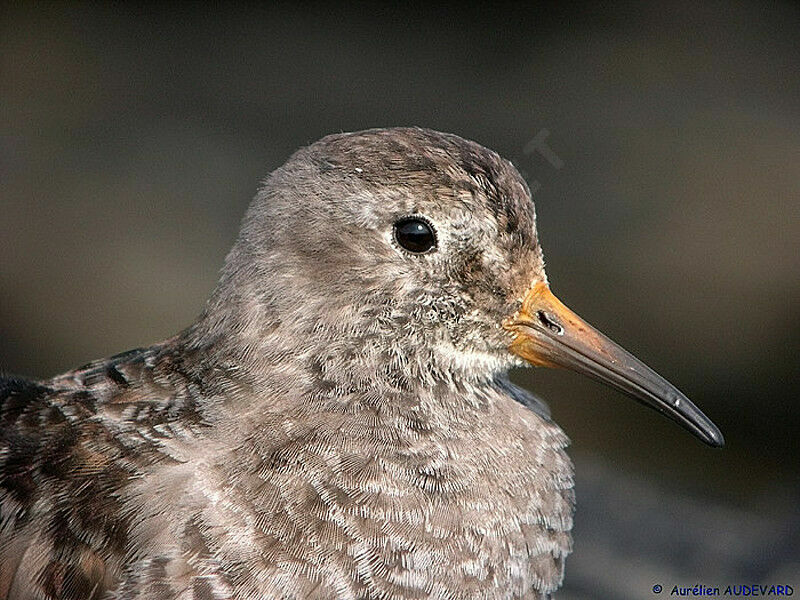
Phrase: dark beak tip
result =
(714, 438)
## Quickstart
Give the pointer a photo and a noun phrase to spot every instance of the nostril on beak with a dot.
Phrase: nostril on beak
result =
(550, 322)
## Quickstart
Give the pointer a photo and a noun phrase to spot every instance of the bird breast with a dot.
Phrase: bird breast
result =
(370, 503)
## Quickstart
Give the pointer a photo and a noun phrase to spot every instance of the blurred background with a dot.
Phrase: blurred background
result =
(132, 139)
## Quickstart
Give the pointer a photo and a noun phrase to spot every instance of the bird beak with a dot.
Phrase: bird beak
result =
(549, 334)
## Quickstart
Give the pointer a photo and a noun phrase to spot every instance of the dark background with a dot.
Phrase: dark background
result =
(132, 138)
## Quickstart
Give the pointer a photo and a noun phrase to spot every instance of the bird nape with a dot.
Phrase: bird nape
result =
(338, 422)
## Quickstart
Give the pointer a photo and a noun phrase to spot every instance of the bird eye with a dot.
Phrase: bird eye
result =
(415, 235)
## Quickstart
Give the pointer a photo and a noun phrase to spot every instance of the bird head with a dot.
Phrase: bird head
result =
(412, 251)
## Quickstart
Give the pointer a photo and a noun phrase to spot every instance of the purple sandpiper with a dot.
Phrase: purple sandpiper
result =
(338, 422)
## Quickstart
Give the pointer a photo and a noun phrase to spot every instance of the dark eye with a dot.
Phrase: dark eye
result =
(415, 235)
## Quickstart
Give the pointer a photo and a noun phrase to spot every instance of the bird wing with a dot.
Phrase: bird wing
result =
(69, 449)
(61, 534)
(524, 397)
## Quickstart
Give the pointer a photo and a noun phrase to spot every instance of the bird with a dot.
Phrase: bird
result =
(338, 423)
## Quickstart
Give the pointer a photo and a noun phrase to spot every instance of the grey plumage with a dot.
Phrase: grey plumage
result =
(336, 424)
